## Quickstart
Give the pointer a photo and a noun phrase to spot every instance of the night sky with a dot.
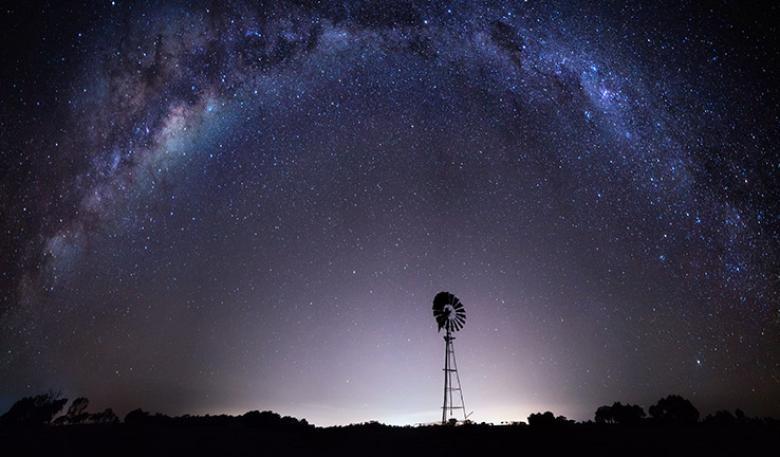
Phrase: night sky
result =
(223, 206)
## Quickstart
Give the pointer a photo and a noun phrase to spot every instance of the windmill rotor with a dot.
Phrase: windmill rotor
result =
(449, 312)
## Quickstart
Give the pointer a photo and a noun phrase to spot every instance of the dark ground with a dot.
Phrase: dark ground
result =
(374, 439)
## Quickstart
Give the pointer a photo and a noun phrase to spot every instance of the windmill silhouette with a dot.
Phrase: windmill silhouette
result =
(450, 315)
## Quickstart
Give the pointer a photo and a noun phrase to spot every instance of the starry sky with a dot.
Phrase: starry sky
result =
(213, 207)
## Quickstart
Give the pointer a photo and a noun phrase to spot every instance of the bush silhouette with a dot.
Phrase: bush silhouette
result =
(674, 409)
(31, 411)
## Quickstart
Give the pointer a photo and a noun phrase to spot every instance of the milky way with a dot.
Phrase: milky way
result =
(221, 207)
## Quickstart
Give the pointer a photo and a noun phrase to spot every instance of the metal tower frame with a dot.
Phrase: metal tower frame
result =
(450, 367)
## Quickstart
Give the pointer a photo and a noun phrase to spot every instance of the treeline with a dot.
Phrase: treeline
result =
(265, 419)
(42, 409)
(671, 410)
(46, 409)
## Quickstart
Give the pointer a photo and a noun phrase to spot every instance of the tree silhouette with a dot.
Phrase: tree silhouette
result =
(674, 409)
(77, 412)
(619, 413)
(546, 419)
(31, 411)
(261, 419)
(136, 416)
(141, 417)
(106, 416)
(722, 417)
(271, 419)
(604, 415)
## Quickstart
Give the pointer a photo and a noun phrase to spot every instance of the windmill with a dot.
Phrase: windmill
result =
(450, 315)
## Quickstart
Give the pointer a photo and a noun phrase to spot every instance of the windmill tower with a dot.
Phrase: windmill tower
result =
(450, 315)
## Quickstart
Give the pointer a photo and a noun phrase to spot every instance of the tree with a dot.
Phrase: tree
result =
(674, 409)
(270, 419)
(77, 412)
(546, 419)
(107, 416)
(630, 414)
(37, 410)
(722, 417)
(136, 416)
(619, 413)
(604, 415)
(261, 419)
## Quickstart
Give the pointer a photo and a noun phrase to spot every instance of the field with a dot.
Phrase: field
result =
(227, 438)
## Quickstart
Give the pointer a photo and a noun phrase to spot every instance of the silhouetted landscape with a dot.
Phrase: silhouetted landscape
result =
(41, 425)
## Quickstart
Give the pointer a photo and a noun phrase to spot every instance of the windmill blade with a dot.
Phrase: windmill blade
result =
(442, 299)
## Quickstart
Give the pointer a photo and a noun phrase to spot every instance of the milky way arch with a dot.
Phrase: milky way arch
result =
(632, 144)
